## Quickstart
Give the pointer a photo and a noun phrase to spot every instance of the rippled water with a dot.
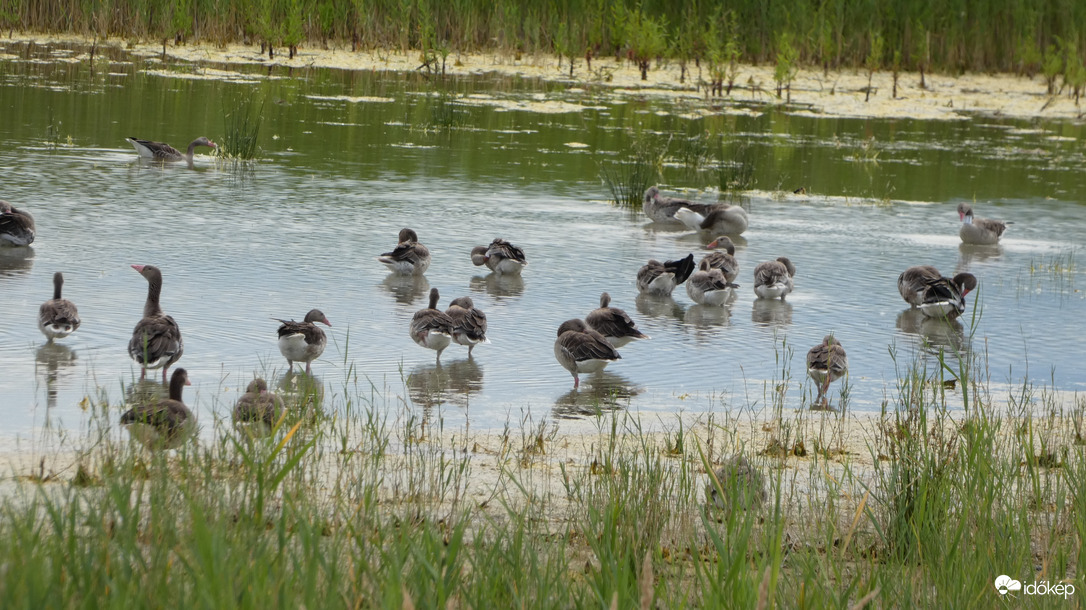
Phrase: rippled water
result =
(339, 178)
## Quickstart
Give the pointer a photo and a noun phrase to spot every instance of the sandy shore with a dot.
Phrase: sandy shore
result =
(837, 94)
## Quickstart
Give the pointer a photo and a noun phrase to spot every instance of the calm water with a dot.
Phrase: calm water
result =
(351, 158)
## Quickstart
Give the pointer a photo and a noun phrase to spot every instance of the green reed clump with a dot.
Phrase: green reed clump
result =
(627, 179)
(241, 121)
(735, 171)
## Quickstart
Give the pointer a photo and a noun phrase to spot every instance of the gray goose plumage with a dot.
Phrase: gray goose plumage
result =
(978, 231)
(257, 410)
(662, 209)
(156, 339)
(163, 423)
(303, 341)
(16, 226)
(718, 219)
(613, 323)
(708, 286)
(579, 349)
(500, 257)
(723, 257)
(409, 257)
(936, 296)
(736, 476)
(773, 279)
(432, 328)
(661, 278)
(160, 151)
(826, 362)
(468, 323)
(58, 317)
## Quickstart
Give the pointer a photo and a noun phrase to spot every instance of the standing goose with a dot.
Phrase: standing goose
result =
(613, 323)
(468, 323)
(720, 218)
(708, 286)
(826, 362)
(978, 231)
(662, 209)
(773, 279)
(723, 257)
(57, 317)
(579, 349)
(432, 328)
(500, 257)
(914, 282)
(936, 296)
(156, 340)
(661, 278)
(303, 341)
(16, 226)
(257, 410)
(409, 257)
(160, 151)
(162, 423)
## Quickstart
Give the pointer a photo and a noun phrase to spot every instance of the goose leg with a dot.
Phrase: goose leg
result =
(143, 373)
(164, 369)
(307, 369)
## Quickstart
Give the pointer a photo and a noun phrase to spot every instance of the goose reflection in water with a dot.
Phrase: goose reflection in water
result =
(431, 385)
(657, 306)
(302, 392)
(968, 254)
(934, 334)
(602, 391)
(15, 260)
(51, 360)
(145, 391)
(498, 285)
(771, 312)
(406, 289)
(707, 317)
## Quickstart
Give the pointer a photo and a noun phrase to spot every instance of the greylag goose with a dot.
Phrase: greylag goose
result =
(773, 279)
(721, 218)
(160, 151)
(409, 257)
(303, 341)
(257, 410)
(468, 323)
(16, 226)
(936, 296)
(57, 317)
(662, 209)
(661, 278)
(156, 340)
(826, 362)
(978, 231)
(723, 257)
(613, 323)
(579, 349)
(708, 286)
(162, 423)
(736, 479)
(500, 257)
(432, 328)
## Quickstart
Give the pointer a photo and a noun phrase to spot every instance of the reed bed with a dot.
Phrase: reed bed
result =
(362, 499)
(918, 35)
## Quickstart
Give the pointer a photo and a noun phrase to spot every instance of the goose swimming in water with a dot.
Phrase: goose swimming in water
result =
(58, 317)
(160, 151)
(16, 226)
(978, 231)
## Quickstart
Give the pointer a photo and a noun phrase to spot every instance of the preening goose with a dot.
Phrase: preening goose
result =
(723, 257)
(826, 362)
(936, 296)
(719, 219)
(978, 231)
(613, 323)
(156, 340)
(160, 151)
(500, 257)
(708, 286)
(468, 323)
(16, 226)
(662, 209)
(257, 410)
(409, 257)
(57, 317)
(773, 279)
(661, 278)
(303, 341)
(164, 423)
(579, 349)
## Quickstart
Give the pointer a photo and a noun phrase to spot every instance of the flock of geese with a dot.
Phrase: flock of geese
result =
(582, 345)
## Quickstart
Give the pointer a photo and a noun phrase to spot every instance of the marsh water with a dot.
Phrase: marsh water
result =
(348, 158)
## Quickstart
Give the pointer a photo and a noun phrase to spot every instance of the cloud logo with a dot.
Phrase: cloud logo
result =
(1004, 584)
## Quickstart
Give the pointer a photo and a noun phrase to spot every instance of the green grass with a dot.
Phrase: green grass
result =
(360, 500)
(918, 35)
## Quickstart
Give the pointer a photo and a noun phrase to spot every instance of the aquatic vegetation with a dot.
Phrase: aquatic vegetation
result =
(241, 121)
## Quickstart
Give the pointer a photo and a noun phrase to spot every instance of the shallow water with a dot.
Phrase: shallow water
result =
(350, 158)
